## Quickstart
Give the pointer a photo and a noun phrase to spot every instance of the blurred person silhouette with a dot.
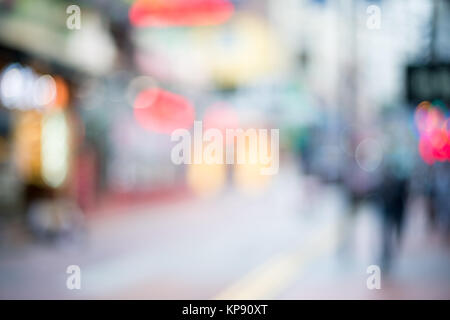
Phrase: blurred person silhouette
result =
(393, 194)
(433, 183)
(361, 183)
(440, 197)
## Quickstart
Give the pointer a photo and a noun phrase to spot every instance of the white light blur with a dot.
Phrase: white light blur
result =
(44, 90)
(55, 149)
(21, 88)
(369, 155)
(11, 85)
(92, 48)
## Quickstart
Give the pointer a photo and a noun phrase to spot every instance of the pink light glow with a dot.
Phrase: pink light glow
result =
(162, 111)
(434, 141)
(220, 116)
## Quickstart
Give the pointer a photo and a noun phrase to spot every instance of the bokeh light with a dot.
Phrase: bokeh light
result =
(247, 176)
(220, 116)
(369, 154)
(44, 90)
(434, 138)
(162, 111)
(206, 179)
(55, 149)
(145, 13)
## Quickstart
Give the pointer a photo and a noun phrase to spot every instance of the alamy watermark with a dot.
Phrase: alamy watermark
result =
(74, 280)
(73, 21)
(374, 19)
(374, 280)
(234, 146)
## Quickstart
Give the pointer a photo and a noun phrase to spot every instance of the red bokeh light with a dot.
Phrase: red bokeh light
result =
(162, 111)
(426, 151)
(144, 13)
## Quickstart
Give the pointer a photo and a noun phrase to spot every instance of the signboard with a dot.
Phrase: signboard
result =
(428, 82)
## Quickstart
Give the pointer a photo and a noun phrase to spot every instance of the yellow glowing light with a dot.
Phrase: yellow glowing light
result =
(27, 142)
(242, 51)
(247, 176)
(62, 93)
(206, 179)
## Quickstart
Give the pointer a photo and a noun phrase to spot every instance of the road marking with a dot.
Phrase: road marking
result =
(270, 278)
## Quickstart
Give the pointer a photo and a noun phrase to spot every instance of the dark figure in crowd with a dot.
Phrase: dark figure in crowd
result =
(439, 196)
(393, 196)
